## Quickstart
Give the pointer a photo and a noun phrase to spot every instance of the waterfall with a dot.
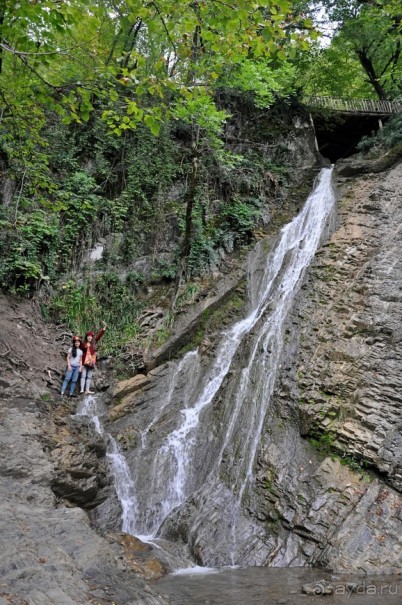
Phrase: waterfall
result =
(124, 485)
(190, 453)
(89, 409)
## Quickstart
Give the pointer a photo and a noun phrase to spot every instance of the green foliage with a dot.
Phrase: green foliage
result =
(203, 255)
(325, 446)
(387, 137)
(27, 249)
(27, 152)
(84, 72)
(262, 80)
(134, 59)
(200, 109)
(239, 217)
(83, 306)
(323, 443)
(164, 270)
(189, 294)
(333, 71)
(350, 461)
(161, 335)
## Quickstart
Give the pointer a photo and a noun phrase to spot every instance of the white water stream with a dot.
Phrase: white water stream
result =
(124, 485)
(149, 491)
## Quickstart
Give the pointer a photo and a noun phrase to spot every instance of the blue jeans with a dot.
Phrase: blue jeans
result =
(73, 376)
(86, 378)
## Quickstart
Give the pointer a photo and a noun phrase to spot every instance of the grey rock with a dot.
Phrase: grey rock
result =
(50, 553)
(319, 588)
(360, 164)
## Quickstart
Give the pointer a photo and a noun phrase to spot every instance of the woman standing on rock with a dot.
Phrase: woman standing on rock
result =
(74, 366)
(88, 347)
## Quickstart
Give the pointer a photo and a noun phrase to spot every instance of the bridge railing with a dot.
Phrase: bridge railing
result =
(355, 105)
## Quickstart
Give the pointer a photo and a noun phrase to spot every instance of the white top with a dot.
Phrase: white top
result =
(75, 361)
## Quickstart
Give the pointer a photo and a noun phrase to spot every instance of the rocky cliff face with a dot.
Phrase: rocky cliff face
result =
(329, 488)
(354, 343)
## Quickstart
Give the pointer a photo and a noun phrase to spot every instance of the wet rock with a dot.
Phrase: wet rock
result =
(188, 323)
(49, 552)
(78, 490)
(204, 346)
(358, 165)
(141, 557)
(319, 588)
(79, 457)
(340, 388)
(151, 319)
(5, 384)
(358, 350)
(125, 406)
(315, 501)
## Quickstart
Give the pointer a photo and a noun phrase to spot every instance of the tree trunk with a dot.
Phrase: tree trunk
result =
(181, 273)
(130, 41)
(182, 268)
(373, 79)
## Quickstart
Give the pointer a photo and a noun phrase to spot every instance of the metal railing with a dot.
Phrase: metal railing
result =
(355, 105)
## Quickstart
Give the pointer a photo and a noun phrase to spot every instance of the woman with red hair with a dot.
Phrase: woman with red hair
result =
(88, 347)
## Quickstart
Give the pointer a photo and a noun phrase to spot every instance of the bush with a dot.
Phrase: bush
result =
(389, 136)
(27, 249)
(107, 297)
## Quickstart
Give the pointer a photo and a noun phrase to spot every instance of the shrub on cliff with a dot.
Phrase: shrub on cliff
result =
(388, 137)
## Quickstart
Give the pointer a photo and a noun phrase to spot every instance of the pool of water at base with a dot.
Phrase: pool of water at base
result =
(267, 585)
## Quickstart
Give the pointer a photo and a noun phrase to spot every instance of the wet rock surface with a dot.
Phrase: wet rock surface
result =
(349, 370)
(360, 164)
(320, 587)
(338, 490)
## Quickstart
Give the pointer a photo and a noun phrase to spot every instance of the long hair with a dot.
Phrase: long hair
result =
(74, 347)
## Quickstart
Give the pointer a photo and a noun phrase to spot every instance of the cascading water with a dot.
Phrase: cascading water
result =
(191, 452)
(124, 485)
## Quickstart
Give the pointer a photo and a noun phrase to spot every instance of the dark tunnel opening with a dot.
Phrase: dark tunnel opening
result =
(339, 134)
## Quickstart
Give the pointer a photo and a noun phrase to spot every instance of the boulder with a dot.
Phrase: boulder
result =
(140, 557)
(322, 587)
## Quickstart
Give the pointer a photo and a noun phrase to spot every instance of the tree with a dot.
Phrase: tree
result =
(330, 71)
(371, 29)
